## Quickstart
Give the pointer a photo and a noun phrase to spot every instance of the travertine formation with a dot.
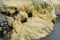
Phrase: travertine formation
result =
(56, 4)
(31, 19)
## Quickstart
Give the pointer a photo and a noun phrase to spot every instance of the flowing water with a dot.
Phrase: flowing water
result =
(56, 33)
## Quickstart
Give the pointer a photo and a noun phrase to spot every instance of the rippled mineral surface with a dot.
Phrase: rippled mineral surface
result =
(30, 19)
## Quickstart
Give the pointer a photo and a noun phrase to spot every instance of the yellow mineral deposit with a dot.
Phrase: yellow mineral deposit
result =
(57, 6)
(33, 19)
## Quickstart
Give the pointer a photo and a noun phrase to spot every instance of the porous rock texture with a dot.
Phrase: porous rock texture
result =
(31, 19)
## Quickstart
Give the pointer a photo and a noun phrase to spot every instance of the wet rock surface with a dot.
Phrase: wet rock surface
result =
(5, 28)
